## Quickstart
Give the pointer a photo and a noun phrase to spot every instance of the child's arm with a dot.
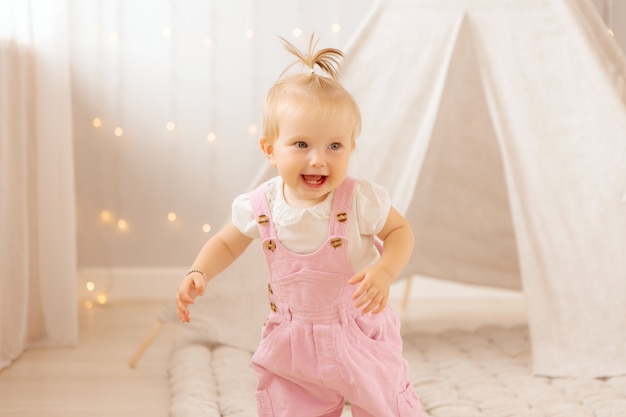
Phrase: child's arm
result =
(216, 254)
(373, 291)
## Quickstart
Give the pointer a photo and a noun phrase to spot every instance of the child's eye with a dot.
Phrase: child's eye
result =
(300, 144)
(335, 146)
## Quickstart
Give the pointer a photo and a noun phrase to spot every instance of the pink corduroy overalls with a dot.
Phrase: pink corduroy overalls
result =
(317, 349)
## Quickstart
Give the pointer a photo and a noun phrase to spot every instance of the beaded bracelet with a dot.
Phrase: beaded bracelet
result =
(198, 271)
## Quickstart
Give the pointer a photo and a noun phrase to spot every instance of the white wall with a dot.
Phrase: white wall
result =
(205, 66)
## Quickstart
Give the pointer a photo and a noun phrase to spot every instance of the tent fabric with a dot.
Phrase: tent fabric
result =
(499, 129)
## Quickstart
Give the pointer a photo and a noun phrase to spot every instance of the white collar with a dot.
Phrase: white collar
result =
(285, 215)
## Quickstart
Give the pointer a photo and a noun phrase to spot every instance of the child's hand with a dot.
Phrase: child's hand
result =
(192, 286)
(373, 292)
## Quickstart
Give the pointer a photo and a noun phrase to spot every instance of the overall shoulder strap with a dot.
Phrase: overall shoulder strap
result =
(342, 202)
(261, 211)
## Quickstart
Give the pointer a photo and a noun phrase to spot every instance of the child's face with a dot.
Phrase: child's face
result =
(311, 152)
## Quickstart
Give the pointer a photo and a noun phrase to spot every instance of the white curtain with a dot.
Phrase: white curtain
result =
(37, 217)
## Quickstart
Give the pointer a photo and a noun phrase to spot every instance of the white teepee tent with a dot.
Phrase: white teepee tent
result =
(499, 128)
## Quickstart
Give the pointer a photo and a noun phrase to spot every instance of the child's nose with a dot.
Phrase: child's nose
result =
(317, 158)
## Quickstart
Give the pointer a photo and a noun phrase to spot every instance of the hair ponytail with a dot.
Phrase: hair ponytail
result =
(327, 59)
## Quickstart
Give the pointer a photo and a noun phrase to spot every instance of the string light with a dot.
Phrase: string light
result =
(335, 27)
(211, 92)
(607, 14)
(97, 292)
(297, 32)
(122, 225)
(114, 40)
(173, 36)
(106, 216)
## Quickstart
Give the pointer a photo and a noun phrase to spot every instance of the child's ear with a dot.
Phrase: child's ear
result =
(268, 149)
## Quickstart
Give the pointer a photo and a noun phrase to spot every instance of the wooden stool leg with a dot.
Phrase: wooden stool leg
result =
(134, 360)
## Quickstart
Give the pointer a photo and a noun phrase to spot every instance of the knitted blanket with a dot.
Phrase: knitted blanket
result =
(457, 373)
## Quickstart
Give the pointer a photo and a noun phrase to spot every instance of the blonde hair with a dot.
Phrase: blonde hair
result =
(324, 90)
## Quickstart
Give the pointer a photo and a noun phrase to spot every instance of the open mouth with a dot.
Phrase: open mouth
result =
(314, 179)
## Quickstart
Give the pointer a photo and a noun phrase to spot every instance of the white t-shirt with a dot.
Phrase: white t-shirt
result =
(304, 230)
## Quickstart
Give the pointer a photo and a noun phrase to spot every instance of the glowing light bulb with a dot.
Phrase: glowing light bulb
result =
(88, 304)
(335, 27)
(167, 32)
(206, 228)
(118, 132)
(249, 34)
(106, 216)
(102, 298)
(122, 225)
(171, 216)
(90, 286)
(252, 128)
(297, 32)
(96, 122)
(170, 126)
(211, 137)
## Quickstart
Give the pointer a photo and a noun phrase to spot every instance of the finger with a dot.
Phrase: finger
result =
(376, 304)
(369, 307)
(380, 308)
(360, 296)
(186, 298)
(183, 315)
(356, 278)
(362, 290)
(182, 310)
(181, 305)
(365, 299)
(199, 285)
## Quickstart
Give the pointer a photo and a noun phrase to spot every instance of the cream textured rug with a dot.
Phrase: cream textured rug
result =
(457, 373)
